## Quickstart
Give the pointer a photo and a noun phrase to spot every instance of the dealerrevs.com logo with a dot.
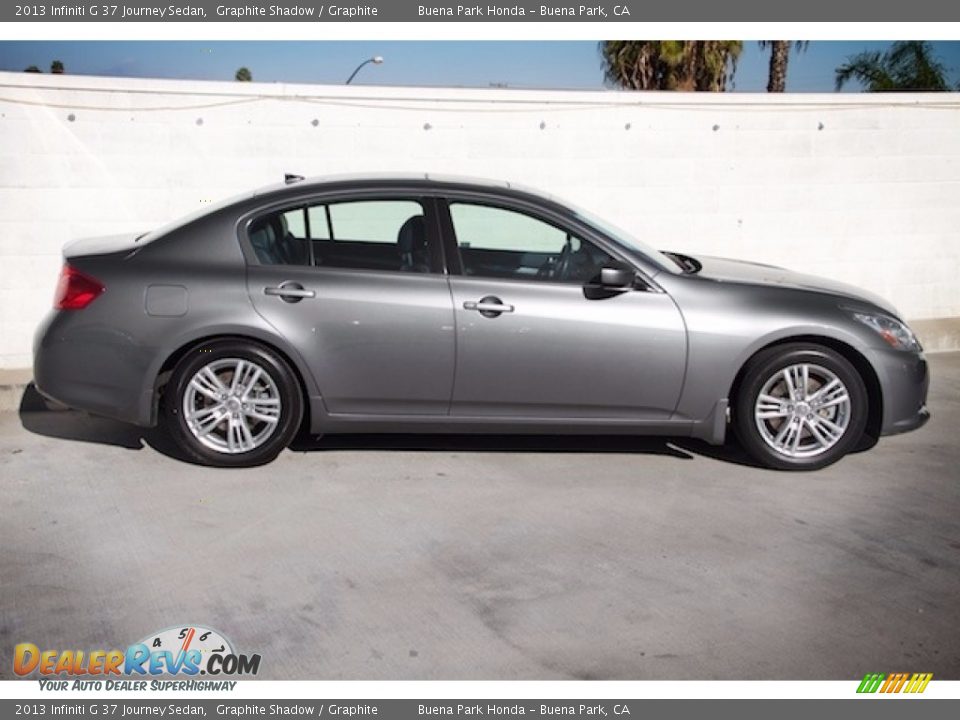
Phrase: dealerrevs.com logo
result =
(188, 650)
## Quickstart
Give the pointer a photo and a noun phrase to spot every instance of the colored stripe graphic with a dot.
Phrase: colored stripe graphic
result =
(894, 683)
(918, 683)
(870, 682)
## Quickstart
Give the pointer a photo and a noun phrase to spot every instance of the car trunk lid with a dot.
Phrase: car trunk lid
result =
(103, 245)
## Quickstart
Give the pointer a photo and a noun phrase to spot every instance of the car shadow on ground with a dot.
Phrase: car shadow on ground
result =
(40, 417)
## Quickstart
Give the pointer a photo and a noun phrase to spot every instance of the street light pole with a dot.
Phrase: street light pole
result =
(376, 60)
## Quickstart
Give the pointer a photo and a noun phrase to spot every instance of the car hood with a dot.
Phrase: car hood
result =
(726, 270)
(104, 245)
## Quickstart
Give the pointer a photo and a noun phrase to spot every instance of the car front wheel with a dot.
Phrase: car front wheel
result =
(800, 407)
(232, 403)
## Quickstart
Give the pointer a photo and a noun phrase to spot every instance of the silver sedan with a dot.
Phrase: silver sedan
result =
(423, 304)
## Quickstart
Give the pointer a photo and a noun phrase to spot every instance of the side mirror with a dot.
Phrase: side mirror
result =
(617, 277)
(614, 279)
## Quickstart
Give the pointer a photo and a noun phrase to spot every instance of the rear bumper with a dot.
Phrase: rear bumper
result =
(94, 368)
(905, 380)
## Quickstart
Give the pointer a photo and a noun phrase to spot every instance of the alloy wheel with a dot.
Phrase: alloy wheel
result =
(232, 405)
(802, 410)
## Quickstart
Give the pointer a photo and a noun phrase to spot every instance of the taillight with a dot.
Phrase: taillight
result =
(75, 290)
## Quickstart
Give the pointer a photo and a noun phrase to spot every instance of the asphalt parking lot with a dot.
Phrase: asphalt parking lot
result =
(490, 558)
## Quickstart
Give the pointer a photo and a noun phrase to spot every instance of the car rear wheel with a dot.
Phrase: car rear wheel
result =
(800, 407)
(232, 403)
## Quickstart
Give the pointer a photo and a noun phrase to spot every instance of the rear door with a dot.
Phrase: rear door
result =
(534, 342)
(355, 284)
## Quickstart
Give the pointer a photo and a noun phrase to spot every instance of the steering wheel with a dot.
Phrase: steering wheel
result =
(557, 270)
(562, 268)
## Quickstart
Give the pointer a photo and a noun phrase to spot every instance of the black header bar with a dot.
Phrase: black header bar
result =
(308, 11)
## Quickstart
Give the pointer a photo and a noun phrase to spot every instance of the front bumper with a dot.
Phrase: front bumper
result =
(911, 423)
(904, 382)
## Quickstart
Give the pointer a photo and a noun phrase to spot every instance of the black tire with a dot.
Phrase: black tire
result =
(271, 364)
(761, 368)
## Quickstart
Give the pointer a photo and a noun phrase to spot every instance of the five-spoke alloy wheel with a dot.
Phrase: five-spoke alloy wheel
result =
(800, 407)
(233, 404)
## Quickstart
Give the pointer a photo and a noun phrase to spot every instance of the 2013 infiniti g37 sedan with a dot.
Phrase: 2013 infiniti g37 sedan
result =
(423, 304)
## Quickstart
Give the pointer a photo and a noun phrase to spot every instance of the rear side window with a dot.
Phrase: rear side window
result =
(280, 238)
(384, 235)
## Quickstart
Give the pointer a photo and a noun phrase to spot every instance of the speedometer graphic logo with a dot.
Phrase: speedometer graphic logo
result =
(200, 641)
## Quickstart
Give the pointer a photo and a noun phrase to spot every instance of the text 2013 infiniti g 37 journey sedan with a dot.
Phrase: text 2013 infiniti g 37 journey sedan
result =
(421, 304)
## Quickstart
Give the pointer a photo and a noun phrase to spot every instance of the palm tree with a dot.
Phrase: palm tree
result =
(670, 64)
(779, 57)
(32, 69)
(243, 75)
(907, 65)
(56, 67)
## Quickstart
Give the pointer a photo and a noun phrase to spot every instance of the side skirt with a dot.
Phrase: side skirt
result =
(323, 423)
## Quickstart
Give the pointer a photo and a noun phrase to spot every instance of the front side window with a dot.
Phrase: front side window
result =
(388, 235)
(496, 242)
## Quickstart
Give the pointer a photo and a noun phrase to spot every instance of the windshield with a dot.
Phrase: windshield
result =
(664, 262)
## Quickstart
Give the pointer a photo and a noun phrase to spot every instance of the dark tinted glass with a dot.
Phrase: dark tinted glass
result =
(363, 235)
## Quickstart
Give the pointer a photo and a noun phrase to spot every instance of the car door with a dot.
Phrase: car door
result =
(534, 342)
(356, 286)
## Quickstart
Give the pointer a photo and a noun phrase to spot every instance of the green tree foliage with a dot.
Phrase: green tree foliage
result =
(243, 75)
(57, 68)
(33, 69)
(907, 65)
(706, 65)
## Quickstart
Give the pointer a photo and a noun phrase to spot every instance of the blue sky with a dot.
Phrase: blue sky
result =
(471, 64)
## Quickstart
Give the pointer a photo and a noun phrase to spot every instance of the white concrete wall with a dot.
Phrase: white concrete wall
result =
(860, 188)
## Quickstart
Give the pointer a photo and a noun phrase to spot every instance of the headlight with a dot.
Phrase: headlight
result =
(894, 333)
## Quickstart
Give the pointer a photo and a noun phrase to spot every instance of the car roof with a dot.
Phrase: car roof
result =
(296, 185)
(299, 183)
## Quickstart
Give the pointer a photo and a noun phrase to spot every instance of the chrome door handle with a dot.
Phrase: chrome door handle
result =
(289, 292)
(489, 306)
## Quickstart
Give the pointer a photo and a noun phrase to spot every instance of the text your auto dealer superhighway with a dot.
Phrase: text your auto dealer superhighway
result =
(296, 11)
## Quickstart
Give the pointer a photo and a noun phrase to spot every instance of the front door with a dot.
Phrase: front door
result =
(533, 343)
